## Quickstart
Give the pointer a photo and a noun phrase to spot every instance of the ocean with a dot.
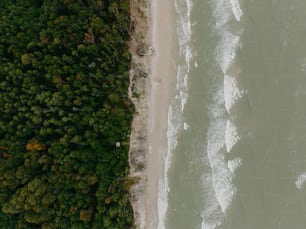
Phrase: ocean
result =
(236, 154)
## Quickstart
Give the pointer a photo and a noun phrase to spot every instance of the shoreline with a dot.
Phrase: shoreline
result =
(163, 90)
(152, 86)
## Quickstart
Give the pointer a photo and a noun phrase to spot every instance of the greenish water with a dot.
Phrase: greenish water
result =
(237, 127)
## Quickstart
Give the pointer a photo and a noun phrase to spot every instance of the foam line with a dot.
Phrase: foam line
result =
(231, 92)
(226, 50)
(300, 180)
(234, 164)
(175, 114)
(236, 9)
(221, 12)
(222, 177)
(186, 126)
(231, 135)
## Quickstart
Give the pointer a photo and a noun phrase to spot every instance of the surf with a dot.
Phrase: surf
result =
(175, 114)
(222, 134)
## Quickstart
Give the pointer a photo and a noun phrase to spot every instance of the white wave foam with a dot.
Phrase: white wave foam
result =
(221, 12)
(231, 92)
(175, 117)
(212, 215)
(183, 10)
(175, 114)
(181, 86)
(186, 126)
(221, 175)
(216, 109)
(173, 126)
(236, 9)
(300, 180)
(234, 164)
(226, 50)
(206, 225)
(225, 190)
(162, 203)
(222, 134)
(231, 135)
(188, 56)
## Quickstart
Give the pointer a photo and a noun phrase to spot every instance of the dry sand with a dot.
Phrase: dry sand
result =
(152, 85)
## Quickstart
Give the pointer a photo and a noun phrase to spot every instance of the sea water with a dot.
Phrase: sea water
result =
(236, 154)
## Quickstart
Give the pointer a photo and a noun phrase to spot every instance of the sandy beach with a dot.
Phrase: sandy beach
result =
(153, 35)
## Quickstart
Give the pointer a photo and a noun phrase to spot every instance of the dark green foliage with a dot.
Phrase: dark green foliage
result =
(63, 106)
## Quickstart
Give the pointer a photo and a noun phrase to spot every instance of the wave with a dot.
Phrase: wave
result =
(231, 92)
(227, 49)
(222, 133)
(186, 126)
(236, 9)
(224, 10)
(207, 225)
(183, 10)
(221, 136)
(175, 124)
(231, 135)
(221, 12)
(212, 215)
(175, 114)
(163, 181)
(300, 180)
(223, 190)
(222, 177)
(234, 164)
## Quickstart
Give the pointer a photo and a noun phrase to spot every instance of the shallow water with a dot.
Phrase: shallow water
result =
(236, 153)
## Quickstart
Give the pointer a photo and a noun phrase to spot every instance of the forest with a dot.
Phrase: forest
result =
(63, 107)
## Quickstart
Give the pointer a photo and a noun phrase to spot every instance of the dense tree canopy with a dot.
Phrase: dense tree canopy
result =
(63, 106)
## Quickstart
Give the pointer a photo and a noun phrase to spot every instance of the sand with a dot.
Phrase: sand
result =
(152, 85)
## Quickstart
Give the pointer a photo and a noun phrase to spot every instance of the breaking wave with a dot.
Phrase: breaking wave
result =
(175, 114)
